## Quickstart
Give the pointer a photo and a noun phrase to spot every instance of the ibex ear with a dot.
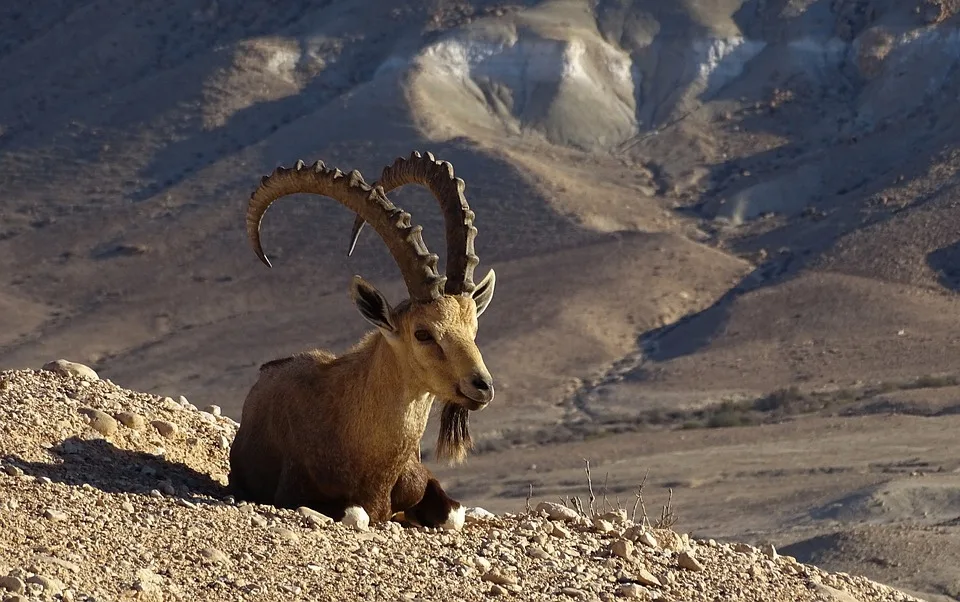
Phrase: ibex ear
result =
(372, 304)
(483, 294)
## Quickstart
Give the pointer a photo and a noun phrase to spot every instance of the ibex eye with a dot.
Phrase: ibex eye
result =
(423, 335)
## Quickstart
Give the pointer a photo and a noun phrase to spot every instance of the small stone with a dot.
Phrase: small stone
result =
(127, 507)
(499, 578)
(557, 511)
(67, 368)
(131, 420)
(831, 594)
(167, 488)
(477, 514)
(769, 551)
(45, 480)
(314, 518)
(687, 561)
(560, 531)
(12, 584)
(258, 520)
(744, 548)
(149, 583)
(573, 592)
(100, 421)
(537, 552)
(617, 517)
(13, 471)
(645, 577)
(603, 526)
(51, 585)
(622, 548)
(496, 590)
(54, 515)
(168, 430)
(285, 534)
(169, 404)
(213, 409)
(647, 539)
(213, 556)
(73, 567)
(632, 590)
(357, 518)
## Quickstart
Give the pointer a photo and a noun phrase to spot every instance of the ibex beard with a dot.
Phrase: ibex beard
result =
(334, 432)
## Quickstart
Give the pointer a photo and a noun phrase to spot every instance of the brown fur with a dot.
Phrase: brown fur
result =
(332, 432)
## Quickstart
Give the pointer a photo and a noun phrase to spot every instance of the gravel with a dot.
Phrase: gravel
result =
(108, 494)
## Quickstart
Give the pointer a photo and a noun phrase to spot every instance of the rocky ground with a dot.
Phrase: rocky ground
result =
(111, 494)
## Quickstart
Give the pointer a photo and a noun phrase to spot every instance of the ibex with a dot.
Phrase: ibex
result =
(332, 433)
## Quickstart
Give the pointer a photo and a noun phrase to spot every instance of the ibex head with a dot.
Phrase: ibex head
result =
(434, 330)
(437, 339)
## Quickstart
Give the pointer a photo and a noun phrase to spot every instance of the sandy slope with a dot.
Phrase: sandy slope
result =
(148, 519)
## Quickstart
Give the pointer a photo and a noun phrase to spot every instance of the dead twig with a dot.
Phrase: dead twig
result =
(668, 517)
(603, 492)
(593, 497)
(639, 503)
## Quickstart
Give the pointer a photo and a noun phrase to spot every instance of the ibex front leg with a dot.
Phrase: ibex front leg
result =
(420, 497)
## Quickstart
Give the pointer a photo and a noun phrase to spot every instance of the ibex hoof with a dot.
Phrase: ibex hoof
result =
(357, 518)
(455, 519)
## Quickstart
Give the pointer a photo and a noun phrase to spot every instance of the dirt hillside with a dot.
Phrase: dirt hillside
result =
(137, 482)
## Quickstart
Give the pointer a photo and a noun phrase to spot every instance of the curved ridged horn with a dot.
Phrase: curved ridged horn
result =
(417, 265)
(438, 177)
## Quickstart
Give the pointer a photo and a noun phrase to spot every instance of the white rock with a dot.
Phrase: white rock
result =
(357, 518)
(687, 561)
(476, 514)
(647, 539)
(55, 515)
(51, 586)
(632, 590)
(617, 517)
(167, 430)
(499, 577)
(316, 519)
(557, 511)
(67, 368)
(131, 420)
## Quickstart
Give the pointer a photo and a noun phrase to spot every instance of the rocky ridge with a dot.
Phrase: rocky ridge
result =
(111, 494)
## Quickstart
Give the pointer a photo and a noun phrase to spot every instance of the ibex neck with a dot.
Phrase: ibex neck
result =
(389, 392)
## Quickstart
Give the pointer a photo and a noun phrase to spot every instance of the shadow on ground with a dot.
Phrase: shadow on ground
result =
(102, 465)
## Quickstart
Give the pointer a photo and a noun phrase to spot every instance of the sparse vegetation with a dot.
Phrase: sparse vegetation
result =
(785, 403)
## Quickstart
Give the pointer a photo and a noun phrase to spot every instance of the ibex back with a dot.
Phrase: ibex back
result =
(332, 432)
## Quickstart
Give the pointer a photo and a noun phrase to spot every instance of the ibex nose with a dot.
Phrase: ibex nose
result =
(478, 388)
(482, 382)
